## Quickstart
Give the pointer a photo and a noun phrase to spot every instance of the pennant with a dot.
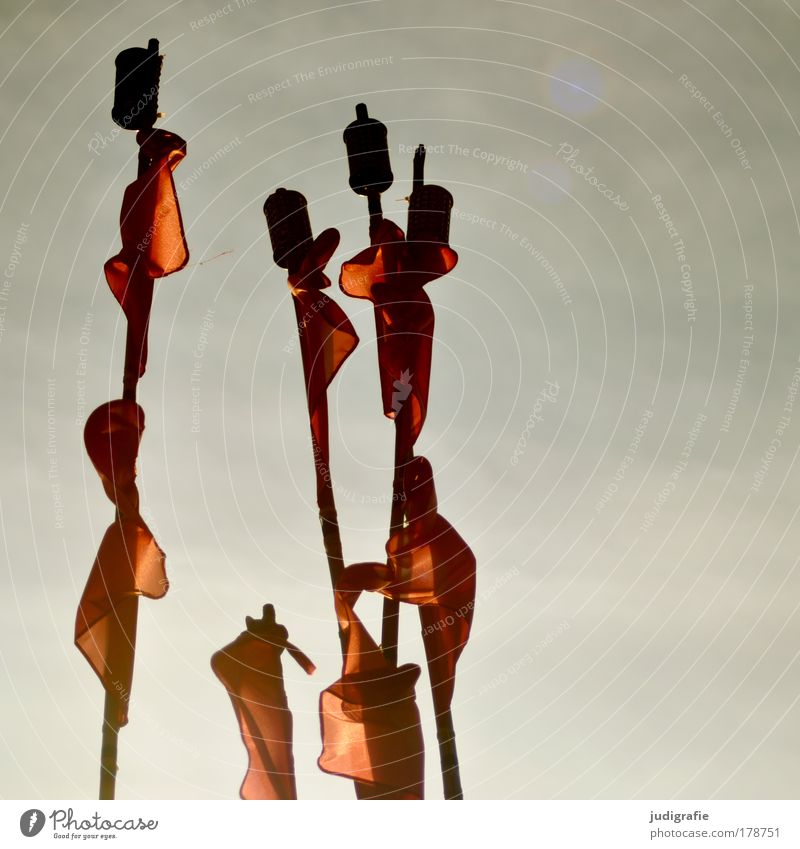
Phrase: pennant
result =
(391, 274)
(327, 339)
(433, 567)
(371, 731)
(153, 241)
(430, 565)
(251, 671)
(129, 562)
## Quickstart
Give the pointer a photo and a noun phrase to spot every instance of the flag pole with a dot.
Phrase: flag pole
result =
(109, 745)
(290, 233)
(370, 175)
(390, 621)
(390, 625)
(448, 756)
(108, 748)
(326, 501)
(431, 210)
(130, 79)
(113, 709)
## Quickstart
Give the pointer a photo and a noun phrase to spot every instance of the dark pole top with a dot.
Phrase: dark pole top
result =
(419, 166)
(289, 228)
(136, 87)
(366, 141)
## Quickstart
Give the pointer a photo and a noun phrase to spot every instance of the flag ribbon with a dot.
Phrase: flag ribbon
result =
(250, 669)
(391, 273)
(429, 565)
(129, 562)
(370, 724)
(369, 717)
(327, 339)
(153, 242)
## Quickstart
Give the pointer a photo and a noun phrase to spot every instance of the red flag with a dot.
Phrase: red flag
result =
(433, 567)
(391, 273)
(251, 671)
(370, 723)
(327, 339)
(153, 241)
(129, 562)
(430, 565)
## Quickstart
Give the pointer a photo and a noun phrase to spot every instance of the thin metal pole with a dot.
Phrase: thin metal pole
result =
(375, 214)
(390, 626)
(109, 747)
(328, 518)
(326, 503)
(448, 756)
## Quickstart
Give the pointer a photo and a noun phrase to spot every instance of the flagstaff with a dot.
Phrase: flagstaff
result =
(326, 340)
(129, 562)
(392, 273)
(366, 140)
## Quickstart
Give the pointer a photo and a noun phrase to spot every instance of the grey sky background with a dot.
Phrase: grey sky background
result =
(637, 642)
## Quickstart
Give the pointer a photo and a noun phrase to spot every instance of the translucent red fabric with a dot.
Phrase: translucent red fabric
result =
(129, 562)
(430, 565)
(433, 567)
(370, 724)
(251, 671)
(391, 274)
(327, 339)
(153, 241)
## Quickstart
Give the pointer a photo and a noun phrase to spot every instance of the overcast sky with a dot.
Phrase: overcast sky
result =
(614, 422)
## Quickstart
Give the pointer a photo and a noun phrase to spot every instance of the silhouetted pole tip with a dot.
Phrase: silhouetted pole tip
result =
(428, 207)
(267, 620)
(419, 166)
(366, 140)
(136, 87)
(266, 627)
(289, 227)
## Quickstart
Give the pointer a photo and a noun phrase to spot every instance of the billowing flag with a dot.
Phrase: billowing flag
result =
(129, 562)
(391, 274)
(431, 565)
(370, 722)
(327, 339)
(153, 241)
(251, 671)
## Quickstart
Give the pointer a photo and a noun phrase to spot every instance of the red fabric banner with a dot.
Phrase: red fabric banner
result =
(431, 566)
(153, 241)
(391, 274)
(327, 339)
(251, 671)
(370, 722)
(129, 562)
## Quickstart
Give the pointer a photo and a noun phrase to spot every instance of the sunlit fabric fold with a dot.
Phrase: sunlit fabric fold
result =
(129, 562)
(327, 339)
(391, 274)
(250, 669)
(430, 565)
(370, 722)
(153, 240)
